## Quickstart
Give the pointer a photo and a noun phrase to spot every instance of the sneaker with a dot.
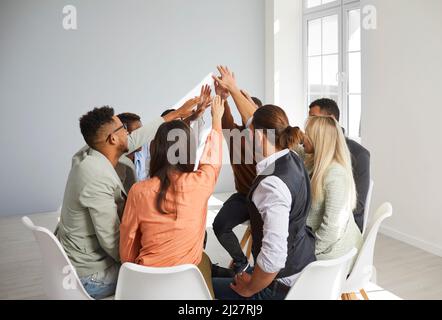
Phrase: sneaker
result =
(240, 267)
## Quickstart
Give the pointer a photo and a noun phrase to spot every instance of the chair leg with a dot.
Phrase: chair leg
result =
(245, 237)
(249, 248)
(344, 296)
(353, 296)
(364, 294)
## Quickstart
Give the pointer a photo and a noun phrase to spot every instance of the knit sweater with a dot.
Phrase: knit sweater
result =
(331, 218)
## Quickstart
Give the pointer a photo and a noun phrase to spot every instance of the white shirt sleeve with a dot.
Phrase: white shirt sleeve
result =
(273, 200)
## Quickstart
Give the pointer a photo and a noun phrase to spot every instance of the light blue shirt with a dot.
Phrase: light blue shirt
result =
(141, 159)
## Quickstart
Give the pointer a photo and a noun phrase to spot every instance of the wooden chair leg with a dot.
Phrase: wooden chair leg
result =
(353, 296)
(249, 248)
(364, 294)
(344, 296)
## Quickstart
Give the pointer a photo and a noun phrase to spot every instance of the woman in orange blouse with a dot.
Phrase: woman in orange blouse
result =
(164, 221)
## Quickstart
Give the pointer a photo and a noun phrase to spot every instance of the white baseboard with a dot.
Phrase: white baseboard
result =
(413, 241)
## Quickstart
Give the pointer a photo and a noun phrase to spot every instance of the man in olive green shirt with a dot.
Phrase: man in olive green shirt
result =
(94, 197)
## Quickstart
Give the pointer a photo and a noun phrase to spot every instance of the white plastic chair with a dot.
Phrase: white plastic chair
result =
(322, 280)
(136, 282)
(60, 280)
(363, 268)
(367, 207)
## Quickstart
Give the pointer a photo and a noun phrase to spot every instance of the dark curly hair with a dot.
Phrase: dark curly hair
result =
(91, 122)
(329, 106)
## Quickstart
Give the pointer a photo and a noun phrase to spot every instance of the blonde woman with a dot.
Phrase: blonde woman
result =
(333, 189)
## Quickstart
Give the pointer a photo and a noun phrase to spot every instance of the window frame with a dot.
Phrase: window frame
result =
(341, 8)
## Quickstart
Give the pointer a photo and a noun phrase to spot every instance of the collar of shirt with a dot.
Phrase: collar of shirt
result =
(263, 164)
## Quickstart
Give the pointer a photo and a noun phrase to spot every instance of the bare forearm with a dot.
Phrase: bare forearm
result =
(260, 280)
(245, 108)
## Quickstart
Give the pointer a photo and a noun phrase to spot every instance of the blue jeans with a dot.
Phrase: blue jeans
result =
(101, 284)
(222, 290)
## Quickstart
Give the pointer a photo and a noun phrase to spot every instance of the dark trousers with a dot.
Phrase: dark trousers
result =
(233, 213)
(275, 291)
(359, 219)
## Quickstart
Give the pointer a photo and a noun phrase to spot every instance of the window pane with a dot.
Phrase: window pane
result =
(313, 3)
(354, 30)
(330, 33)
(354, 72)
(314, 74)
(354, 116)
(330, 68)
(314, 37)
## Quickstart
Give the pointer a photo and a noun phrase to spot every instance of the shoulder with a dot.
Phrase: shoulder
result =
(356, 149)
(334, 172)
(146, 187)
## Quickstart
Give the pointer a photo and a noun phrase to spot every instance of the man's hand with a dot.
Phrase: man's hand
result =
(227, 79)
(204, 102)
(184, 111)
(241, 285)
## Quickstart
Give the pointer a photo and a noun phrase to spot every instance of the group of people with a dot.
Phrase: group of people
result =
(139, 193)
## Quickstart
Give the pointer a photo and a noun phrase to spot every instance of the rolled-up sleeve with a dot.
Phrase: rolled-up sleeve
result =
(273, 200)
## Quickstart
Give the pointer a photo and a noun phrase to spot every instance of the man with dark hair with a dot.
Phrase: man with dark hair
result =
(360, 157)
(94, 197)
(257, 102)
(165, 113)
(133, 168)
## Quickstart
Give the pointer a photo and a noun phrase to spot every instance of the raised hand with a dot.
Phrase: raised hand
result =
(227, 79)
(217, 108)
(220, 91)
(205, 98)
(187, 108)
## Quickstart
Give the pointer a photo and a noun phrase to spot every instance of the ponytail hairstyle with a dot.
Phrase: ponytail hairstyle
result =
(270, 117)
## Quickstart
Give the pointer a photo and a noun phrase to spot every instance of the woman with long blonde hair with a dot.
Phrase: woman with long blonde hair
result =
(333, 188)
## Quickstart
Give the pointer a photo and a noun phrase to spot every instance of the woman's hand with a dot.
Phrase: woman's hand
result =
(217, 111)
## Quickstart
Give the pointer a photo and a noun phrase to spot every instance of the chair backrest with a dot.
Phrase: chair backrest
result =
(183, 282)
(367, 206)
(363, 268)
(322, 280)
(60, 280)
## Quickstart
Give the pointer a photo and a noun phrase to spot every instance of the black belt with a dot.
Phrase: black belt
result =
(280, 287)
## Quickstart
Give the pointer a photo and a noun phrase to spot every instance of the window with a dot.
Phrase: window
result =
(332, 57)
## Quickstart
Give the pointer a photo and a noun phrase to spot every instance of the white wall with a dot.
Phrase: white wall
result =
(284, 67)
(135, 55)
(402, 68)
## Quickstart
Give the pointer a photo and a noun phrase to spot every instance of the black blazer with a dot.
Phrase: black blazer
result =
(360, 159)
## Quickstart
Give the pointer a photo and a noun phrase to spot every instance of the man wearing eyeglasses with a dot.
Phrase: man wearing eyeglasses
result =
(94, 197)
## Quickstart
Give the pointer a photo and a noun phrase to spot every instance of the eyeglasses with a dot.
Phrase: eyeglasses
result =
(116, 130)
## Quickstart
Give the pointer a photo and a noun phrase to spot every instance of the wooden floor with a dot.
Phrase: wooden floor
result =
(405, 271)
